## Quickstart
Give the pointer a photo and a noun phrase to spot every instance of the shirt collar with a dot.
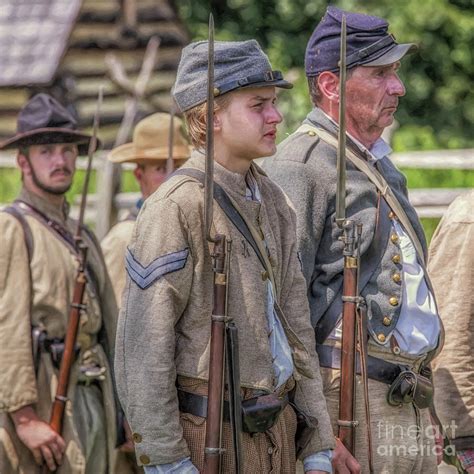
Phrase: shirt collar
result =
(376, 152)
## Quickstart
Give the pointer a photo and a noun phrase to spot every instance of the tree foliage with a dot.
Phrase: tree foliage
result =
(438, 109)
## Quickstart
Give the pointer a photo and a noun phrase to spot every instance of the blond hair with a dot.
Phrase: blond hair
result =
(195, 119)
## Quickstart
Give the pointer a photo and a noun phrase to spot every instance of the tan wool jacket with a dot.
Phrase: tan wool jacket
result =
(114, 246)
(451, 268)
(44, 303)
(164, 325)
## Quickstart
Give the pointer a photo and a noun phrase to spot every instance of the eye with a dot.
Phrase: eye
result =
(258, 105)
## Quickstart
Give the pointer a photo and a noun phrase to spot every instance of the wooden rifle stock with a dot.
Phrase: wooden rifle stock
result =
(67, 360)
(346, 420)
(213, 451)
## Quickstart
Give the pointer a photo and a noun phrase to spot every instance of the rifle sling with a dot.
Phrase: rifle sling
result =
(230, 209)
(378, 180)
(63, 234)
(370, 261)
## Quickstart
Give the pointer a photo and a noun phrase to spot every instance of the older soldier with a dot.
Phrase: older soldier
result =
(149, 151)
(39, 265)
(403, 324)
(451, 267)
(164, 325)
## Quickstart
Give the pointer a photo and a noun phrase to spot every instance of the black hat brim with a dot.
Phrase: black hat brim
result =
(393, 55)
(44, 136)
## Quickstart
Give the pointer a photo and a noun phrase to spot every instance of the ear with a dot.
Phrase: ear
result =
(217, 122)
(328, 84)
(23, 164)
(138, 172)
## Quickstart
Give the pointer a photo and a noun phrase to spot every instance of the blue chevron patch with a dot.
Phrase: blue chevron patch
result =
(146, 276)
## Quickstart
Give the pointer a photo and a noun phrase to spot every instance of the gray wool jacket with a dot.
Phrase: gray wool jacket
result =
(305, 167)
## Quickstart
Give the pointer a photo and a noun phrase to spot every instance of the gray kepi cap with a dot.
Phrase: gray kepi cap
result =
(237, 64)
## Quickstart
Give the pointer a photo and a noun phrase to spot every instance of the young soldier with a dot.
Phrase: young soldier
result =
(39, 265)
(403, 324)
(164, 327)
(149, 151)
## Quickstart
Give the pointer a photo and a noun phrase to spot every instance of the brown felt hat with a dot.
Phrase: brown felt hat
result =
(150, 141)
(43, 120)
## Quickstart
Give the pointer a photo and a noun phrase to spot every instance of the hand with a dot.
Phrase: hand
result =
(470, 470)
(439, 441)
(342, 460)
(39, 437)
(128, 446)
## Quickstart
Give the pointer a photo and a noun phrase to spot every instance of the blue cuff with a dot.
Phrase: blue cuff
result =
(183, 466)
(320, 461)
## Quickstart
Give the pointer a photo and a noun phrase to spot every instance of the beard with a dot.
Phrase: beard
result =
(57, 190)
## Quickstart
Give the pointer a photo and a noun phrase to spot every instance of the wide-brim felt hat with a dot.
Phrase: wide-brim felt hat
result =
(43, 120)
(237, 65)
(150, 141)
(368, 43)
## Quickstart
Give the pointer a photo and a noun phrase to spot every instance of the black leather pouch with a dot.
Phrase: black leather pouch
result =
(260, 413)
(410, 387)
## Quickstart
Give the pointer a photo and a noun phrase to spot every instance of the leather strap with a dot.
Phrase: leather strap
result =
(370, 261)
(377, 369)
(197, 404)
(376, 178)
(16, 212)
(231, 210)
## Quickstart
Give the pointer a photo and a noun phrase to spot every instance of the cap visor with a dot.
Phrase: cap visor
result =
(393, 55)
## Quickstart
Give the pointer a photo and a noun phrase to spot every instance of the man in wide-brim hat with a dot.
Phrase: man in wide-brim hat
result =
(39, 266)
(149, 150)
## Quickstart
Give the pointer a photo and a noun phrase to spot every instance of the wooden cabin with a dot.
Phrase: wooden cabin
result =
(60, 46)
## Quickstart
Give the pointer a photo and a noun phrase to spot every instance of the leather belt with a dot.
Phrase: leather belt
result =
(377, 369)
(197, 404)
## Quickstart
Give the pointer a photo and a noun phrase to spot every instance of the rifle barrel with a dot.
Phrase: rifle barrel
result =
(209, 181)
(90, 154)
(341, 150)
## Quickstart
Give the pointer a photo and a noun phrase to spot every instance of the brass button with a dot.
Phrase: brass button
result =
(137, 438)
(216, 91)
(393, 300)
(265, 275)
(381, 337)
(144, 459)
(396, 259)
(394, 238)
(311, 133)
(272, 261)
(387, 321)
(396, 277)
(392, 215)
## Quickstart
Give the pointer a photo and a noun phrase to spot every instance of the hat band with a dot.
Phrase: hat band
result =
(268, 76)
(361, 54)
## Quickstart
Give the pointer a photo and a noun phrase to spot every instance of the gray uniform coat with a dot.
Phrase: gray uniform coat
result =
(164, 325)
(305, 167)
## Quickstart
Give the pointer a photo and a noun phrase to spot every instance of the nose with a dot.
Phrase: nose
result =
(274, 115)
(395, 86)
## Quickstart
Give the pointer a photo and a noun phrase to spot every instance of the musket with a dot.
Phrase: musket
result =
(354, 329)
(169, 159)
(223, 331)
(77, 304)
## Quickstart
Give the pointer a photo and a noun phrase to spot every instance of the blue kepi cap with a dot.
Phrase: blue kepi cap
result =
(368, 43)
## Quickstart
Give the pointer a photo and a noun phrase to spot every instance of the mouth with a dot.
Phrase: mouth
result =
(271, 134)
(61, 173)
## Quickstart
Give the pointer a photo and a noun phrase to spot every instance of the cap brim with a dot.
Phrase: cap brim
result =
(393, 55)
(44, 136)
(282, 84)
(128, 153)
